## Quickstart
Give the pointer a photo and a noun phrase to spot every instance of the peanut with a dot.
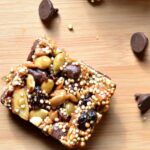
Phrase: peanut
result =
(47, 86)
(42, 62)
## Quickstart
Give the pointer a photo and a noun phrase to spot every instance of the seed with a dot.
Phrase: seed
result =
(70, 108)
(58, 62)
(47, 86)
(30, 83)
(57, 51)
(43, 62)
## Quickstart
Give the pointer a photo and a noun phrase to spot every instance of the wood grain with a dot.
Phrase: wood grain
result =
(101, 38)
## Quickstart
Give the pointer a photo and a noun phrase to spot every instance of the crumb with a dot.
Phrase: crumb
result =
(70, 27)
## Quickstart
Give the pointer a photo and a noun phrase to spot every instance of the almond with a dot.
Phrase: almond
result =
(19, 100)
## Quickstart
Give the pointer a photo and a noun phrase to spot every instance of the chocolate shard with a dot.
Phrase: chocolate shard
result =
(29, 58)
(143, 101)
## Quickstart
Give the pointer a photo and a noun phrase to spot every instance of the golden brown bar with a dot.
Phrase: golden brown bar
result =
(63, 97)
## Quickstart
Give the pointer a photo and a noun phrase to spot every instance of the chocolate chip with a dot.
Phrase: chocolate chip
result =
(32, 50)
(46, 11)
(39, 76)
(143, 101)
(139, 42)
(72, 71)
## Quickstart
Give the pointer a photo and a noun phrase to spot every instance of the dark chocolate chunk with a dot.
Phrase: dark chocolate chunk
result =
(32, 50)
(143, 101)
(72, 71)
(139, 42)
(46, 11)
(39, 76)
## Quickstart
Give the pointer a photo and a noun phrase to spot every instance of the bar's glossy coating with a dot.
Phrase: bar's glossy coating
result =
(63, 97)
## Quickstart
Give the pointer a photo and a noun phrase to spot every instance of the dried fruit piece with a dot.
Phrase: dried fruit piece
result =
(58, 62)
(47, 86)
(36, 97)
(30, 83)
(86, 117)
(20, 103)
(42, 62)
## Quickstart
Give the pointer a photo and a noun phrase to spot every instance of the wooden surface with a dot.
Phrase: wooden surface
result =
(101, 38)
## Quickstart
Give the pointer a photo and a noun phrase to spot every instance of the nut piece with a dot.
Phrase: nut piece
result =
(37, 116)
(42, 62)
(20, 103)
(58, 62)
(58, 99)
(53, 115)
(47, 86)
(72, 98)
(70, 108)
(36, 121)
(30, 83)
(58, 92)
(42, 113)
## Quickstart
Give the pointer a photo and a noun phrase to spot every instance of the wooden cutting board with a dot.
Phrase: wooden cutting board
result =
(101, 38)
